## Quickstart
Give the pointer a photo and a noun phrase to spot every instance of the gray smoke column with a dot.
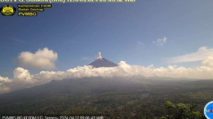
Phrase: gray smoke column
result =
(99, 55)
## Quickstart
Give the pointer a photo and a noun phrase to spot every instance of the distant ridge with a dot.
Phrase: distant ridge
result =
(102, 62)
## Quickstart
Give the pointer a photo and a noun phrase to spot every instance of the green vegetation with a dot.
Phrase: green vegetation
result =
(114, 99)
(181, 111)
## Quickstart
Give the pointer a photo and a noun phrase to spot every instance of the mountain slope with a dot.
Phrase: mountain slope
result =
(102, 62)
(108, 96)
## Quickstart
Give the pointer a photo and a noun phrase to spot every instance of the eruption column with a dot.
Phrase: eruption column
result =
(99, 55)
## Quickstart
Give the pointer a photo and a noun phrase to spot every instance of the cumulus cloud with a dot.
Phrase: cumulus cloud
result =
(23, 78)
(202, 54)
(3, 81)
(160, 41)
(22, 75)
(42, 59)
(208, 62)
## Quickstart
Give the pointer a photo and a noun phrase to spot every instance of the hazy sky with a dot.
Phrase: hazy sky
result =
(142, 33)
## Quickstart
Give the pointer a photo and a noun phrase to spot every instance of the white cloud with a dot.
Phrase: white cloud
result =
(22, 75)
(23, 79)
(208, 62)
(3, 81)
(160, 41)
(202, 54)
(42, 59)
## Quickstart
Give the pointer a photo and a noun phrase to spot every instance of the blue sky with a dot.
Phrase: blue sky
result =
(120, 31)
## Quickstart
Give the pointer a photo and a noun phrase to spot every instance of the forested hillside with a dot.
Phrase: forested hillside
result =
(116, 98)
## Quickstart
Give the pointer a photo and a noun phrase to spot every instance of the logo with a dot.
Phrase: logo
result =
(208, 110)
(8, 10)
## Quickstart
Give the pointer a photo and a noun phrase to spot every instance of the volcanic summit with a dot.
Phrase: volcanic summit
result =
(102, 62)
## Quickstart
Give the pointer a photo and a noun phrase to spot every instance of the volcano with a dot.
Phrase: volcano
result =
(102, 62)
